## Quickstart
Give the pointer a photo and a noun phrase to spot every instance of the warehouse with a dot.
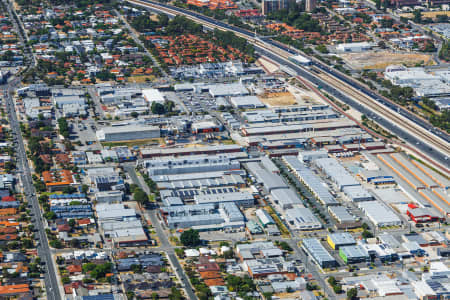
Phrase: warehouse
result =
(192, 164)
(376, 177)
(264, 217)
(422, 215)
(109, 197)
(306, 156)
(379, 214)
(341, 214)
(223, 90)
(153, 95)
(210, 150)
(244, 102)
(301, 218)
(340, 239)
(204, 216)
(127, 133)
(285, 198)
(334, 170)
(319, 254)
(313, 182)
(357, 193)
(353, 254)
(269, 180)
(239, 198)
(233, 180)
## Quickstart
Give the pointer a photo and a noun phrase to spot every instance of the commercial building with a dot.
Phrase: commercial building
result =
(264, 218)
(336, 172)
(243, 102)
(340, 239)
(239, 198)
(209, 150)
(153, 95)
(354, 47)
(318, 253)
(313, 182)
(269, 6)
(301, 218)
(204, 216)
(306, 156)
(341, 214)
(285, 198)
(109, 197)
(353, 254)
(421, 215)
(127, 133)
(193, 164)
(379, 214)
(310, 5)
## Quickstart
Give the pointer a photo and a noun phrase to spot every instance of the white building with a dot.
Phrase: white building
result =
(127, 133)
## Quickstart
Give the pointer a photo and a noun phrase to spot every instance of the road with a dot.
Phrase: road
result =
(50, 277)
(164, 242)
(272, 49)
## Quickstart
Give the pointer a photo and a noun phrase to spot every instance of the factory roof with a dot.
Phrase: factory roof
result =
(246, 101)
(336, 171)
(317, 250)
(378, 212)
(342, 214)
(342, 238)
(354, 251)
(286, 197)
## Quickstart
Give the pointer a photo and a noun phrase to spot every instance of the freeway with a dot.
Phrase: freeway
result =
(165, 244)
(439, 155)
(50, 277)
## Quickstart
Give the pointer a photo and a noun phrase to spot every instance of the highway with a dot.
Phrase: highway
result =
(436, 152)
(50, 277)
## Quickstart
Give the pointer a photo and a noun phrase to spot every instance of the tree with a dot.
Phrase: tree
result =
(190, 238)
(72, 223)
(84, 188)
(75, 243)
(158, 108)
(140, 196)
(417, 16)
(352, 293)
(134, 114)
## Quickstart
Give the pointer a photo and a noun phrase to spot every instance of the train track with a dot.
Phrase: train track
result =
(397, 119)
(437, 145)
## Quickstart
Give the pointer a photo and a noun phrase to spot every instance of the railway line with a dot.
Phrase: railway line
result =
(418, 133)
(393, 115)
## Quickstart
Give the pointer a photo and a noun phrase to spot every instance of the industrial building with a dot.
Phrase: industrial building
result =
(354, 47)
(192, 164)
(153, 95)
(353, 254)
(246, 102)
(204, 216)
(285, 198)
(264, 218)
(109, 197)
(318, 253)
(301, 218)
(209, 150)
(239, 198)
(307, 156)
(313, 182)
(341, 214)
(379, 214)
(340, 239)
(269, 180)
(120, 225)
(127, 133)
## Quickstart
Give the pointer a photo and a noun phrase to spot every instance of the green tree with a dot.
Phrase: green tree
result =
(140, 196)
(190, 238)
(157, 108)
(352, 293)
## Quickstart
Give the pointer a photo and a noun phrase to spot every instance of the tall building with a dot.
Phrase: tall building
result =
(269, 6)
(310, 5)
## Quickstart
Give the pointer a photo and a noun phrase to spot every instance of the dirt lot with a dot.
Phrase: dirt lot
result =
(427, 14)
(278, 99)
(382, 59)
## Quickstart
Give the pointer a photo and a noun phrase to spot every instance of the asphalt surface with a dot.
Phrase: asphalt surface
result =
(382, 120)
(50, 277)
(164, 242)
